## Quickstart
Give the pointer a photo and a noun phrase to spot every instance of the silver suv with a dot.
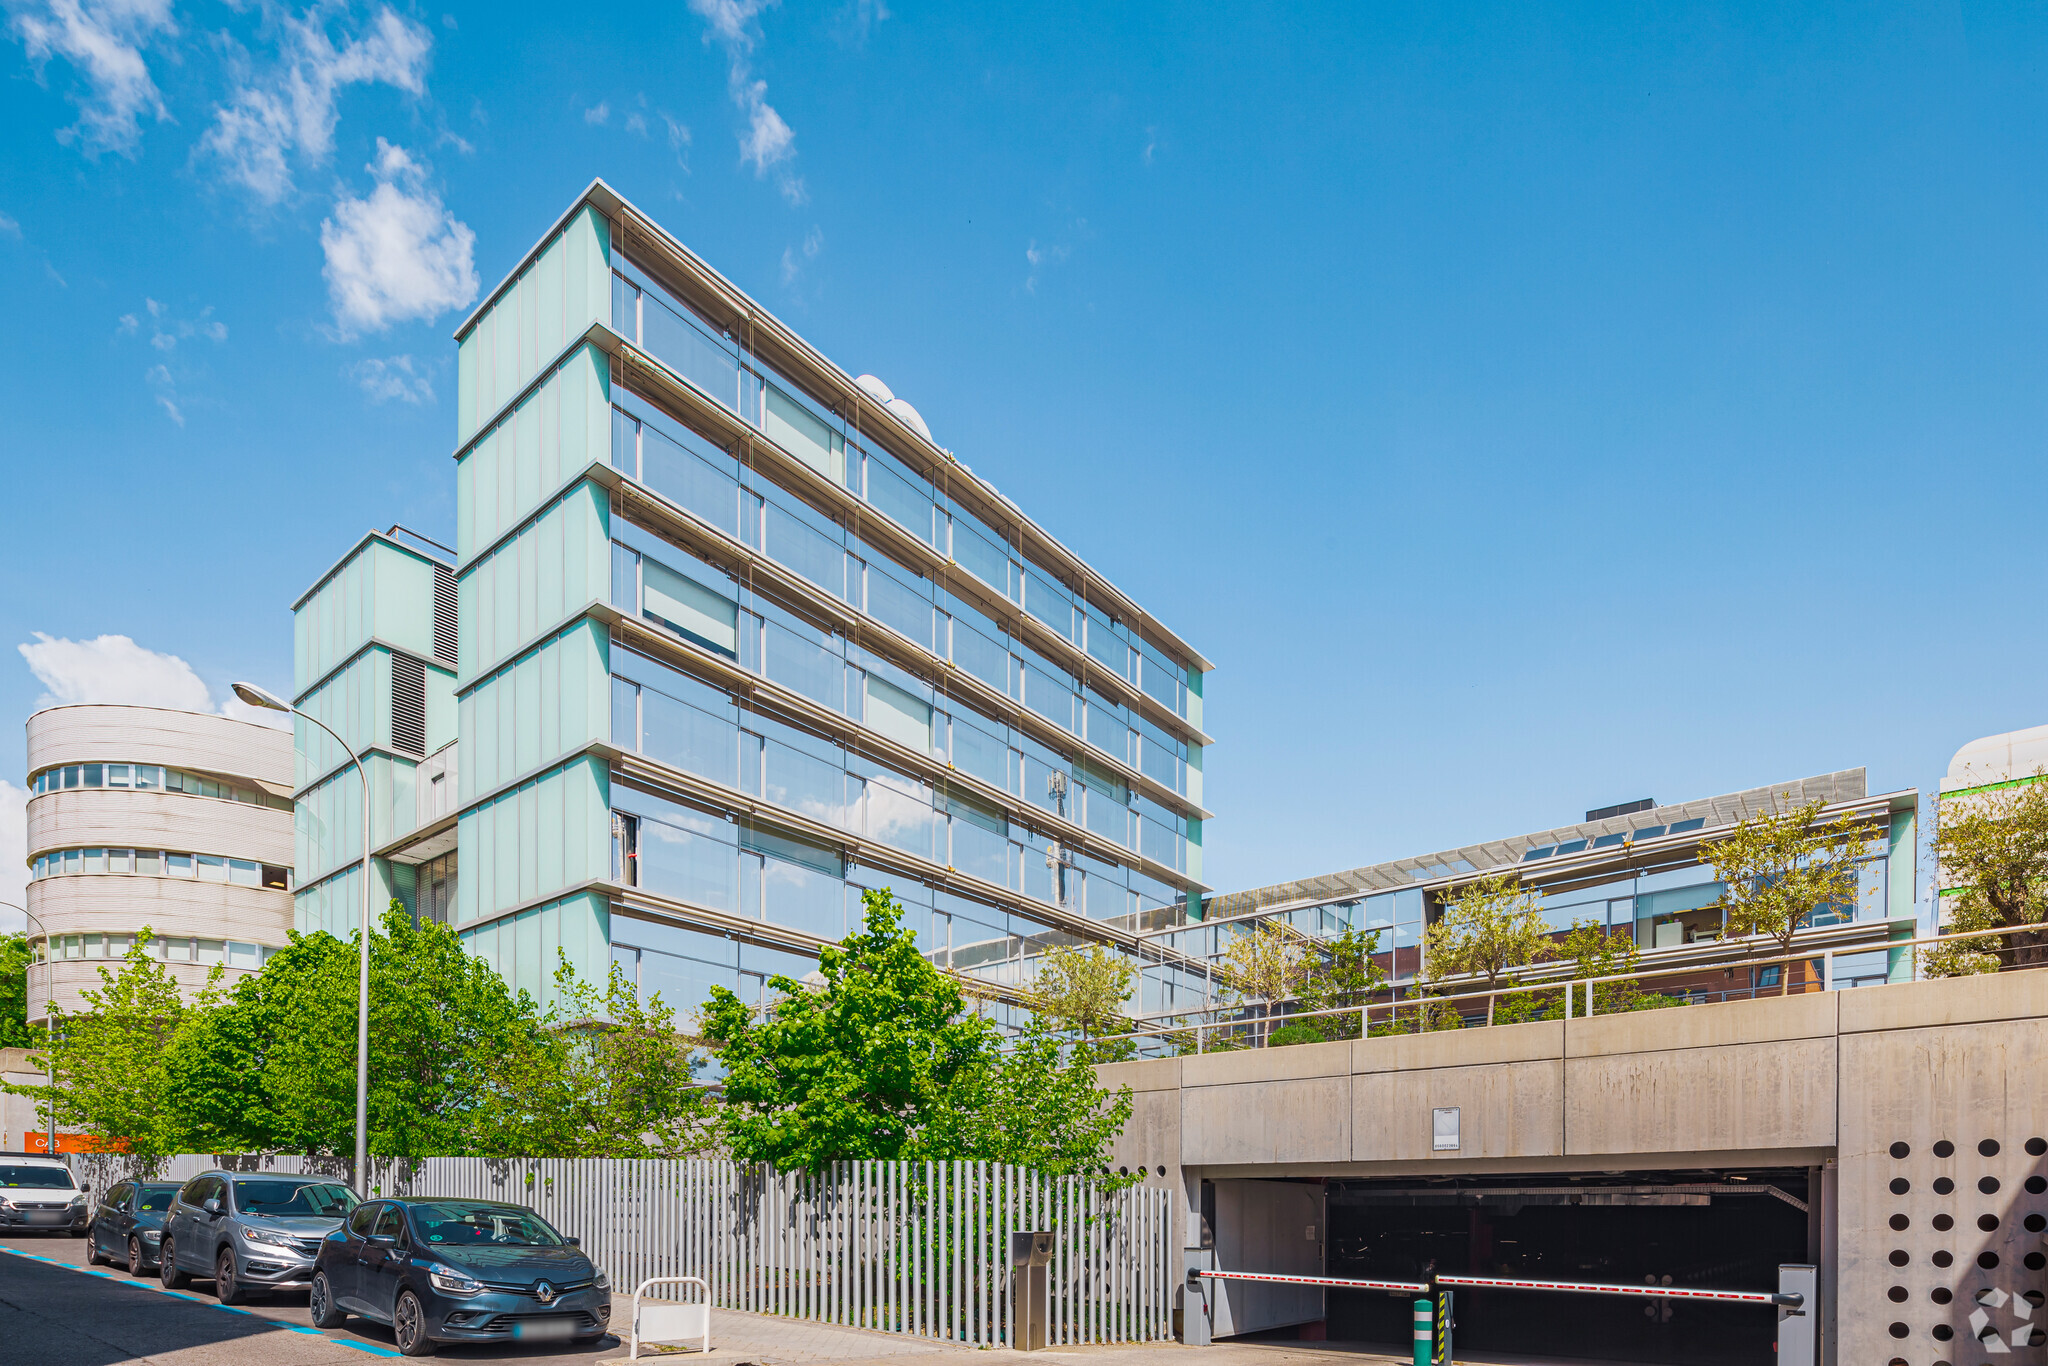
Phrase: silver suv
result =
(250, 1232)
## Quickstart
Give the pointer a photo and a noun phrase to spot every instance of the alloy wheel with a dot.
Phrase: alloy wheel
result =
(321, 1306)
(134, 1256)
(408, 1326)
(225, 1287)
(167, 1265)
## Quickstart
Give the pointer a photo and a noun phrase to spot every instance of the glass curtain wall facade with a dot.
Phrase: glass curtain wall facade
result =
(1639, 874)
(374, 658)
(735, 646)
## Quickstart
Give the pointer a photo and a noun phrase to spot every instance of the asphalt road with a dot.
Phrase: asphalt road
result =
(57, 1311)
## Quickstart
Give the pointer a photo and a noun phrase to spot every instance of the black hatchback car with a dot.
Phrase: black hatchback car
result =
(129, 1224)
(444, 1270)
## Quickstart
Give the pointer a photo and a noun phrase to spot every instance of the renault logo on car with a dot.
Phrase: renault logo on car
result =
(543, 1292)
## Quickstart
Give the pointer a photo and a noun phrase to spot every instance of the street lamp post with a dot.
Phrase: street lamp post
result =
(258, 697)
(49, 1057)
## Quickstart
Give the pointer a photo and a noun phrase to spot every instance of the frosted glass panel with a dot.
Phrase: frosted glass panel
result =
(898, 715)
(689, 607)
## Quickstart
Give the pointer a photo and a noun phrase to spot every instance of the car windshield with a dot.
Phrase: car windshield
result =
(460, 1223)
(43, 1178)
(154, 1199)
(294, 1197)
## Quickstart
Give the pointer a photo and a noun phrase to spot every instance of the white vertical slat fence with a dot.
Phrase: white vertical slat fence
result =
(918, 1248)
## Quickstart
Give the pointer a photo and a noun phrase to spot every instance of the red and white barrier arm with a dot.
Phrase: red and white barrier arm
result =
(1661, 1292)
(1274, 1278)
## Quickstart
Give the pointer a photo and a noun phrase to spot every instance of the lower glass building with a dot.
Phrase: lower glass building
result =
(735, 640)
(1636, 869)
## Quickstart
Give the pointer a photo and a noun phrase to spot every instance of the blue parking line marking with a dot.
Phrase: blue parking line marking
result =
(368, 1347)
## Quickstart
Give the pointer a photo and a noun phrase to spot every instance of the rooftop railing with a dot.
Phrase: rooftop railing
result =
(1425, 1007)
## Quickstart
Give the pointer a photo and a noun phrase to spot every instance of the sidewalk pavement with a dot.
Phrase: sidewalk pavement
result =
(743, 1339)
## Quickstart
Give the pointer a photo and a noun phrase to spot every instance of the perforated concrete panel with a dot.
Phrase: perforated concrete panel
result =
(1944, 1197)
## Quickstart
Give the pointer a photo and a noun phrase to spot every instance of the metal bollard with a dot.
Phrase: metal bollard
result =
(1423, 1338)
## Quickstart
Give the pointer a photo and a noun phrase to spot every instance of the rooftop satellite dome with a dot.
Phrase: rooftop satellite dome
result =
(874, 389)
(909, 417)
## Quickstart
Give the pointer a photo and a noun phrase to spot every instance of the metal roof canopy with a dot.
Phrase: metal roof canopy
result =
(1840, 793)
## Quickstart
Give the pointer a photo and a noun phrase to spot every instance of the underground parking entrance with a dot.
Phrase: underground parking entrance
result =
(1721, 1229)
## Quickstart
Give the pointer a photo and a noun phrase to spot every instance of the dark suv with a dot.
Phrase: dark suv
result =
(249, 1232)
(458, 1271)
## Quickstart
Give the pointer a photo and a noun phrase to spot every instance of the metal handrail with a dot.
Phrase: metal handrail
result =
(1569, 986)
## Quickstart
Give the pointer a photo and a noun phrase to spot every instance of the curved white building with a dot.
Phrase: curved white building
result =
(177, 821)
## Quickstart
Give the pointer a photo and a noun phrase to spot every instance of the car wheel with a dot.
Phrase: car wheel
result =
(173, 1275)
(93, 1256)
(320, 1304)
(409, 1326)
(227, 1287)
(135, 1263)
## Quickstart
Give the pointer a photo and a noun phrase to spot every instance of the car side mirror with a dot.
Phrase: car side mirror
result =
(572, 1242)
(85, 1190)
(212, 1206)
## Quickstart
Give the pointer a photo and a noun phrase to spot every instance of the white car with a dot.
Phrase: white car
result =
(39, 1193)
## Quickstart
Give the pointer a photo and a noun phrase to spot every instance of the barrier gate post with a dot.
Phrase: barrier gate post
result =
(1446, 1320)
(1798, 1324)
(1422, 1333)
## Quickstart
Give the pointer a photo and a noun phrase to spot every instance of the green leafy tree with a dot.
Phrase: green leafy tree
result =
(108, 1063)
(1083, 992)
(883, 1061)
(1595, 953)
(1490, 928)
(1993, 850)
(1036, 1104)
(14, 961)
(272, 1065)
(1779, 867)
(1598, 952)
(1264, 965)
(607, 1075)
(1342, 974)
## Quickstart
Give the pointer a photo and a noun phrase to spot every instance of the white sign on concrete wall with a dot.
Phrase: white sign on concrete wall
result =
(1444, 1130)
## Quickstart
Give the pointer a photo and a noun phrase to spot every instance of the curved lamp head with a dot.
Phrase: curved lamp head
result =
(257, 697)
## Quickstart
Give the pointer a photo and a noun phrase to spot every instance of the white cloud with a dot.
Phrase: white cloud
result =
(678, 139)
(767, 143)
(13, 855)
(289, 111)
(397, 254)
(394, 377)
(9, 228)
(103, 40)
(165, 389)
(637, 123)
(1036, 256)
(114, 669)
(792, 264)
(166, 331)
(599, 113)
(859, 19)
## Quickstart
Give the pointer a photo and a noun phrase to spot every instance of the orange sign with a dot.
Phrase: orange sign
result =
(39, 1142)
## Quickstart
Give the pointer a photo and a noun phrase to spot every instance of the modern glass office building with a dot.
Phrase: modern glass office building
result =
(1640, 869)
(736, 640)
(374, 658)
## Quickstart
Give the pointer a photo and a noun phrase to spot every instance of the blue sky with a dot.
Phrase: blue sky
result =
(1528, 408)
